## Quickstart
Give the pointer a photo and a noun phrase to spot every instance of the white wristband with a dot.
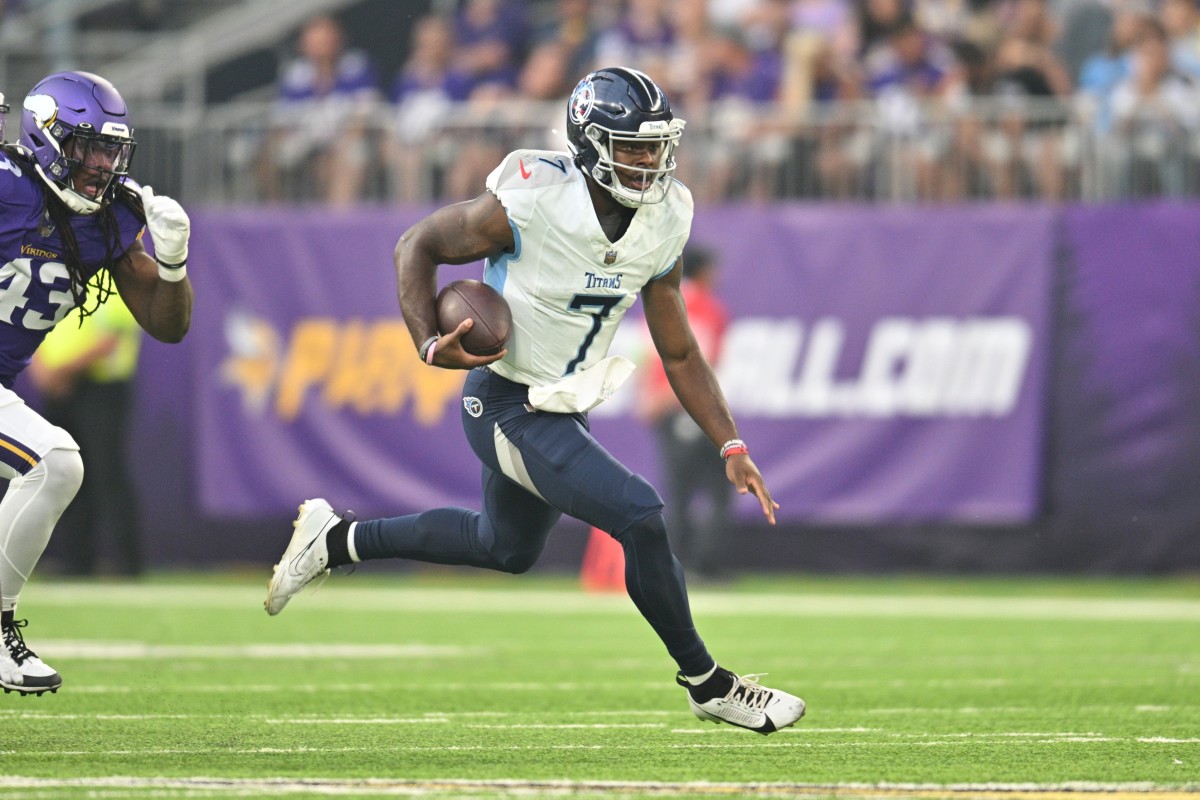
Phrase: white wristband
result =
(172, 274)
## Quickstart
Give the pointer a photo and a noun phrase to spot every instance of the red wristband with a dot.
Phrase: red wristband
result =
(734, 447)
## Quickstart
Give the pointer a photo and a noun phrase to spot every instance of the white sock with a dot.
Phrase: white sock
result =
(350, 543)
(696, 680)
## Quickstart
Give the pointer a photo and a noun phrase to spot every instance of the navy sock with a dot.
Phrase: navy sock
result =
(717, 685)
(338, 544)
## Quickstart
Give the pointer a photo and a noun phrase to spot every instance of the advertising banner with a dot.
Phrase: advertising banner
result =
(883, 364)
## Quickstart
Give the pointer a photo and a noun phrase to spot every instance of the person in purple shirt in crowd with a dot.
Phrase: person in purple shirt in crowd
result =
(644, 35)
(489, 37)
(71, 228)
(318, 147)
(743, 83)
(422, 99)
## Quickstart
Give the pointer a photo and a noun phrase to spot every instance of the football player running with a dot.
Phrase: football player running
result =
(10, 676)
(569, 240)
(71, 225)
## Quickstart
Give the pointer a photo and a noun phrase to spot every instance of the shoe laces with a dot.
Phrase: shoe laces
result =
(15, 642)
(747, 691)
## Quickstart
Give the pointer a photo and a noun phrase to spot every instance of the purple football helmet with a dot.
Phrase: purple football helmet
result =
(77, 127)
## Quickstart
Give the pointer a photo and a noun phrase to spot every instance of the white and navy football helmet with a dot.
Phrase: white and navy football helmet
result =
(619, 104)
(77, 127)
(3, 116)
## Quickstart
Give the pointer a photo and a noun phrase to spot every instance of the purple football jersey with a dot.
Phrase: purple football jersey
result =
(35, 290)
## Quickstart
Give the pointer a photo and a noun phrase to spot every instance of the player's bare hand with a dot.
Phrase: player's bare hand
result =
(448, 353)
(746, 478)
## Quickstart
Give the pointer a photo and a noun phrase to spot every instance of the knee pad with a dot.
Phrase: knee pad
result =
(651, 528)
(61, 474)
(518, 563)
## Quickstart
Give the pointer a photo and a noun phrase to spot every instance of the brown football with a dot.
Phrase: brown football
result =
(493, 319)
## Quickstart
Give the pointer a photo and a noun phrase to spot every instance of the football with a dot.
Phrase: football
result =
(493, 319)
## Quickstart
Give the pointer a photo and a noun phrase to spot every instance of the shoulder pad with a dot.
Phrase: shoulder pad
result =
(18, 181)
(531, 169)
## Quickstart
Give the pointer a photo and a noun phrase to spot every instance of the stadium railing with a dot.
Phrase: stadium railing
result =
(892, 150)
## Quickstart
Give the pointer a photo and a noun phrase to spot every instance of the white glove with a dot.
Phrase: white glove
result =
(9, 673)
(169, 226)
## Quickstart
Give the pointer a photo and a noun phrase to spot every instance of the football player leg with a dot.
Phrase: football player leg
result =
(555, 457)
(568, 467)
(508, 537)
(42, 464)
(10, 674)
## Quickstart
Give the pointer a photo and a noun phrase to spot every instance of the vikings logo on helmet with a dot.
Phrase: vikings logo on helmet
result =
(581, 101)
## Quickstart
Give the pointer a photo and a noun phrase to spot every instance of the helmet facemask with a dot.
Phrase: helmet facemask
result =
(83, 176)
(633, 185)
(3, 115)
(93, 162)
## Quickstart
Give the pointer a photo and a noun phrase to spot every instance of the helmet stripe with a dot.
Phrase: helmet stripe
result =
(649, 88)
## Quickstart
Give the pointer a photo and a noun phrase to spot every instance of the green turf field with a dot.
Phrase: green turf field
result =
(476, 685)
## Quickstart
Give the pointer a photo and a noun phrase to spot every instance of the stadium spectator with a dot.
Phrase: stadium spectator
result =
(697, 494)
(1027, 150)
(688, 67)
(1181, 20)
(489, 41)
(829, 20)
(644, 35)
(903, 77)
(1103, 71)
(85, 376)
(68, 210)
(750, 143)
(1155, 112)
(423, 98)
(572, 26)
(609, 211)
(970, 85)
(317, 147)
(876, 21)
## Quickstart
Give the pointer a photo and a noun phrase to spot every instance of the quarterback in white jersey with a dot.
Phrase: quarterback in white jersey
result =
(570, 240)
(567, 284)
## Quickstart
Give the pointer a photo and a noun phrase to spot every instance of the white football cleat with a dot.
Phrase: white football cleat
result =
(748, 705)
(10, 675)
(33, 676)
(306, 557)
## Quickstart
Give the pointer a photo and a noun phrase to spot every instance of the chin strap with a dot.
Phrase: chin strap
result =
(74, 201)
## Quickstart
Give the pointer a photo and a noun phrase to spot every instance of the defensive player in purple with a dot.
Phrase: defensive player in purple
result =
(71, 226)
(570, 240)
(9, 674)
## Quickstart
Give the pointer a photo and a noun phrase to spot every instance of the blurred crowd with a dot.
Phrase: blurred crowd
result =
(928, 99)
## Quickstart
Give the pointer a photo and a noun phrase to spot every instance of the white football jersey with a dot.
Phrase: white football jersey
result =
(567, 284)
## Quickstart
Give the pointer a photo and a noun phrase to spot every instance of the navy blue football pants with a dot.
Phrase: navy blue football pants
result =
(538, 466)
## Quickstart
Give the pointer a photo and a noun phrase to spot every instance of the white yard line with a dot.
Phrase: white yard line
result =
(231, 787)
(99, 650)
(709, 604)
(732, 739)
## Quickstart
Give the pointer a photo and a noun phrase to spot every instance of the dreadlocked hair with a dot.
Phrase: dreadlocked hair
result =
(61, 216)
